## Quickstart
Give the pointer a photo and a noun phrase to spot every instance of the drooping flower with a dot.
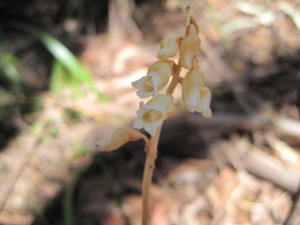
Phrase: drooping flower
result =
(196, 97)
(151, 115)
(168, 48)
(162, 67)
(189, 46)
(118, 138)
(157, 77)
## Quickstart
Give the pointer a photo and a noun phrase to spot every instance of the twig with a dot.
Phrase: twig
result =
(281, 124)
(257, 163)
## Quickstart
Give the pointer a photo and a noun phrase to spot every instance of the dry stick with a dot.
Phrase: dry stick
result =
(151, 150)
(282, 125)
(258, 164)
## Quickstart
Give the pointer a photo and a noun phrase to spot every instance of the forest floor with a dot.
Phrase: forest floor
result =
(242, 166)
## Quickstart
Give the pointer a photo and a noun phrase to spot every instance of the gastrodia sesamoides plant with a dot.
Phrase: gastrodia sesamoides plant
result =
(158, 84)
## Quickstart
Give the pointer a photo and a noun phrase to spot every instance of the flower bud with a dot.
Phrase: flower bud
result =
(196, 97)
(168, 48)
(188, 49)
(192, 28)
(188, 15)
(118, 138)
(156, 79)
(151, 115)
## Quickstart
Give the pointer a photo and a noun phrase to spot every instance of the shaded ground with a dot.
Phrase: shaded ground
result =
(205, 169)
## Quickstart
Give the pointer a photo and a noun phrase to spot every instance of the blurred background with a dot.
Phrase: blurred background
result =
(66, 69)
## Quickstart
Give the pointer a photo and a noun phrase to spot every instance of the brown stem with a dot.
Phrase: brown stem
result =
(148, 173)
(175, 79)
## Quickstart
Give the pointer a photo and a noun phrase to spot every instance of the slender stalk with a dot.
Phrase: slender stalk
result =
(151, 150)
(148, 173)
(175, 79)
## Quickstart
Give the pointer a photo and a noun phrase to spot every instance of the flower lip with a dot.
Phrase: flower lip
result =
(148, 85)
(152, 115)
(144, 86)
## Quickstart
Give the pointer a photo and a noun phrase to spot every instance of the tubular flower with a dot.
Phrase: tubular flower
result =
(168, 48)
(118, 138)
(157, 77)
(151, 115)
(189, 46)
(196, 96)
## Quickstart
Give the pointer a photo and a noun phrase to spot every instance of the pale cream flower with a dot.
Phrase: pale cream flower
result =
(151, 115)
(168, 48)
(118, 138)
(189, 46)
(162, 67)
(196, 97)
(157, 77)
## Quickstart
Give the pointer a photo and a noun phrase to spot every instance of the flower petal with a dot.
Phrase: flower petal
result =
(205, 102)
(162, 67)
(157, 78)
(144, 86)
(118, 138)
(163, 103)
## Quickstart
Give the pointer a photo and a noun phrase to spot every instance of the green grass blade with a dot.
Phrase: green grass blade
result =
(66, 58)
(78, 75)
(8, 68)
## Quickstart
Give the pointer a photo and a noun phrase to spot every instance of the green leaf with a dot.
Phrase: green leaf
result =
(80, 151)
(66, 58)
(68, 69)
(8, 68)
